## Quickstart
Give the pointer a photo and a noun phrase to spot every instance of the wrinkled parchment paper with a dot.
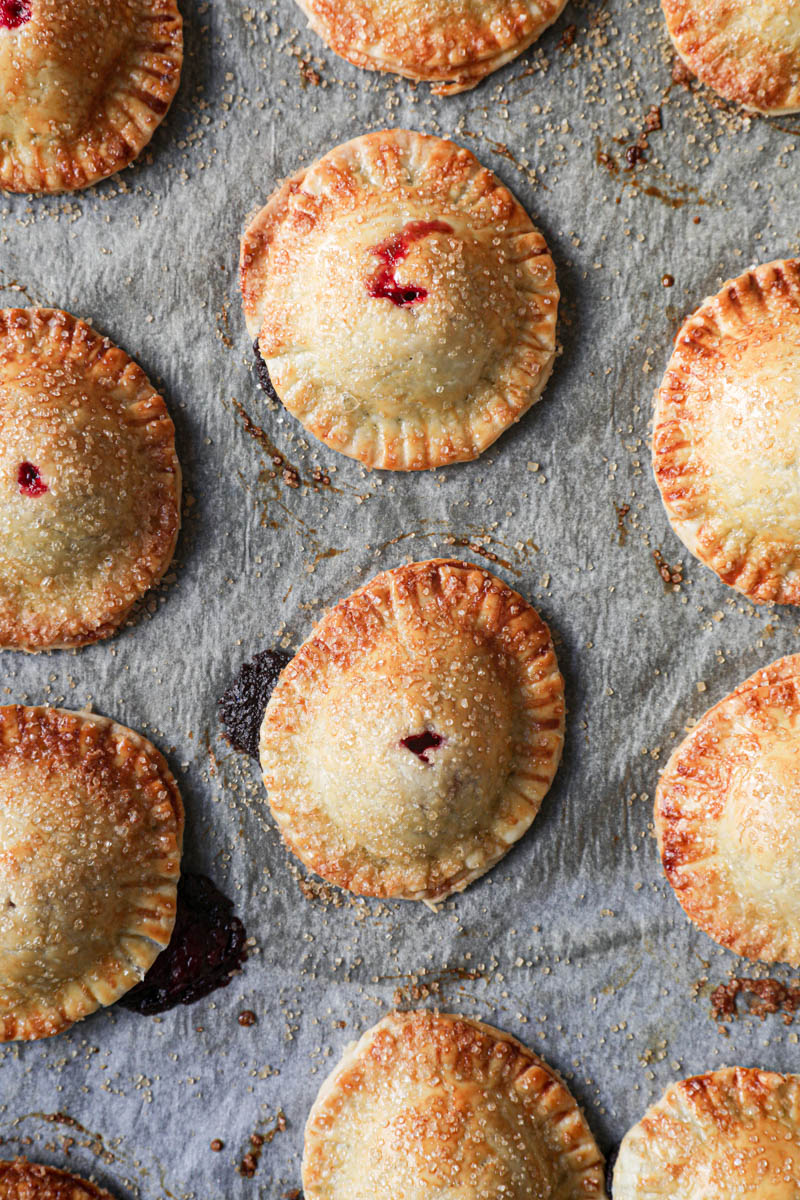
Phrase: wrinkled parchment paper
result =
(574, 942)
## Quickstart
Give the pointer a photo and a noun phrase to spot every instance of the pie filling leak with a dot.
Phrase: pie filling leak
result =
(242, 705)
(383, 284)
(207, 946)
(421, 743)
(28, 477)
(14, 13)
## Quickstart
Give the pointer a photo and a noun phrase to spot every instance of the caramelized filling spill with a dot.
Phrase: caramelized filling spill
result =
(242, 705)
(207, 946)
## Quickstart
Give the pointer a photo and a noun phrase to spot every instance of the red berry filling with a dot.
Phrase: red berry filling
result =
(421, 743)
(14, 13)
(383, 285)
(28, 477)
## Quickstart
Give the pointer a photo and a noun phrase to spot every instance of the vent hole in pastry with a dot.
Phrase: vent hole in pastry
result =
(421, 743)
(29, 477)
(14, 13)
(242, 705)
(208, 945)
(383, 285)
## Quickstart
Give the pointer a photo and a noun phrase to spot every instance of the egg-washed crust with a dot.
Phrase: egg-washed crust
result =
(690, 804)
(402, 167)
(763, 305)
(120, 770)
(23, 1180)
(444, 1051)
(735, 47)
(59, 344)
(388, 610)
(124, 113)
(454, 46)
(707, 1117)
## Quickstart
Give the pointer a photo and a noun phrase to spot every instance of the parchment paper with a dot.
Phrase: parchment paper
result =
(574, 942)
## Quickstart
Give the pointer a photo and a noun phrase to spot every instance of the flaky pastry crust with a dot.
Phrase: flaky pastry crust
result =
(90, 484)
(440, 651)
(727, 816)
(432, 1104)
(726, 440)
(403, 302)
(91, 828)
(453, 43)
(747, 50)
(732, 1134)
(23, 1180)
(84, 84)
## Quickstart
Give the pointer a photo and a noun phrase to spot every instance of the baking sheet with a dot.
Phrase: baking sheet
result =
(574, 942)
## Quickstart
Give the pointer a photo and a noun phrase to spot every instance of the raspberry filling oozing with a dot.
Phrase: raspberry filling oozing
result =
(29, 478)
(383, 285)
(421, 743)
(14, 13)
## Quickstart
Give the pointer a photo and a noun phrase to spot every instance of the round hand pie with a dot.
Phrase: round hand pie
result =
(747, 50)
(728, 1135)
(458, 41)
(410, 741)
(402, 301)
(429, 1104)
(21, 1180)
(726, 441)
(84, 84)
(91, 824)
(89, 482)
(728, 817)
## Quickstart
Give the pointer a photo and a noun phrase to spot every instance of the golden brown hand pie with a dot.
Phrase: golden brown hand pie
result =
(89, 482)
(457, 42)
(22, 1180)
(91, 826)
(410, 741)
(726, 441)
(727, 815)
(84, 84)
(747, 50)
(402, 301)
(428, 1104)
(728, 1135)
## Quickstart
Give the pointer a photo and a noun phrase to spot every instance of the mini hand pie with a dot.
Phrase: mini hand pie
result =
(410, 741)
(727, 815)
(85, 83)
(91, 826)
(428, 1105)
(726, 441)
(402, 301)
(22, 1180)
(747, 50)
(728, 1135)
(90, 484)
(454, 43)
